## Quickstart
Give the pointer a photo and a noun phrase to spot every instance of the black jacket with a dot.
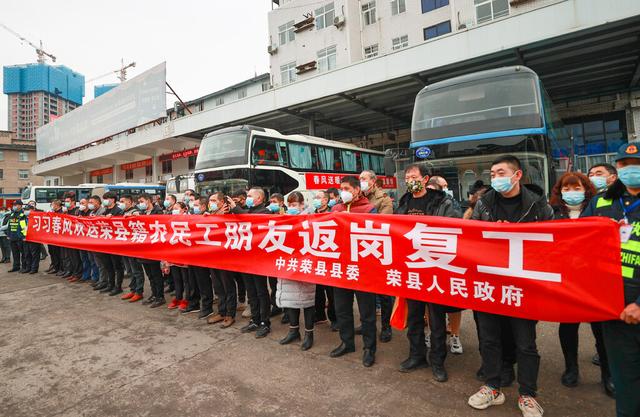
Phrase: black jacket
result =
(259, 209)
(437, 203)
(534, 206)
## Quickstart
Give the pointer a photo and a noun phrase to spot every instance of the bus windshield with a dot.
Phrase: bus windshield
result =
(501, 103)
(224, 149)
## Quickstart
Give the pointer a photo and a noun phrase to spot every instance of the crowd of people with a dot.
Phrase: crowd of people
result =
(433, 331)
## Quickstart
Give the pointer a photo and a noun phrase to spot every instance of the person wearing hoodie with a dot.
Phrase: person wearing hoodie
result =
(354, 202)
(509, 201)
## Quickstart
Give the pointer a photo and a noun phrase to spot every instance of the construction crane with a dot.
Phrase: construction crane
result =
(42, 54)
(121, 72)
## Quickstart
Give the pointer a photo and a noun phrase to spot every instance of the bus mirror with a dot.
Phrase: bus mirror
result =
(389, 166)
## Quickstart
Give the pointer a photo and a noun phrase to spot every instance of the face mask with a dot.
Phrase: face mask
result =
(121, 206)
(346, 197)
(364, 186)
(67, 204)
(196, 210)
(83, 207)
(274, 207)
(92, 206)
(317, 203)
(15, 208)
(502, 184)
(293, 211)
(630, 176)
(573, 198)
(249, 202)
(26, 212)
(213, 207)
(448, 192)
(331, 203)
(599, 182)
(415, 186)
(190, 204)
(105, 203)
(176, 211)
(142, 206)
(167, 203)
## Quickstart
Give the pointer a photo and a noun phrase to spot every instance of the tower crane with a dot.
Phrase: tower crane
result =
(42, 54)
(121, 72)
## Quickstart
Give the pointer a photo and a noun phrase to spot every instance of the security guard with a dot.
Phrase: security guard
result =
(621, 202)
(16, 232)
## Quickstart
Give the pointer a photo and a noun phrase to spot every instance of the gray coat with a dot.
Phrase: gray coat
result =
(295, 294)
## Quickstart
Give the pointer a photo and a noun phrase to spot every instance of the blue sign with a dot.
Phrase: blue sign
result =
(423, 152)
(200, 177)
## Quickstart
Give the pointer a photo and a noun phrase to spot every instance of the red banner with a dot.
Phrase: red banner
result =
(138, 164)
(179, 154)
(103, 171)
(566, 271)
(324, 180)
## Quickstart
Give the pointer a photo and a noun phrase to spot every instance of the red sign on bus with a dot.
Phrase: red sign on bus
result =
(322, 181)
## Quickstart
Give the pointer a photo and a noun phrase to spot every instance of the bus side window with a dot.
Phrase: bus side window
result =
(337, 161)
(349, 161)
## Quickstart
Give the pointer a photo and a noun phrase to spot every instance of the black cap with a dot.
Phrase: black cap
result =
(628, 150)
(18, 202)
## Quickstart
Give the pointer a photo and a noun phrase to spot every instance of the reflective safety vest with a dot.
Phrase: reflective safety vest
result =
(17, 226)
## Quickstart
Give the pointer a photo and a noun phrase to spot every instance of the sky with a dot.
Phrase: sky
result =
(208, 44)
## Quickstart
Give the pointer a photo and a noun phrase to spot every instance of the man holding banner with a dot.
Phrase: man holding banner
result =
(621, 202)
(509, 202)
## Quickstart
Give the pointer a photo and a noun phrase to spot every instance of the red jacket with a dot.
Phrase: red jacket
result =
(361, 205)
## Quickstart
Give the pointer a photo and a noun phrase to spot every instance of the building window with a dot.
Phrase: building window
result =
(266, 86)
(219, 101)
(429, 5)
(1, 155)
(167, 166)
(371, 51)
(2, 191)
(286, 33)
(48, 183)
(148, 171)
(369, 13)
(325, 15)
(242, 93)
(23, 174)
(400, 42)
(288, 73)
(23, 157)
(1, 173)
(487, 10)
(398, 6)
(99, 179)
(56, 181)
(327, 59)
(128, 174)
(191, 162)
(437, 30)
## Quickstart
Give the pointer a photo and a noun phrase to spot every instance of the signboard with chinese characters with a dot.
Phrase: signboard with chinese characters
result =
(322, 181)
(137, 164)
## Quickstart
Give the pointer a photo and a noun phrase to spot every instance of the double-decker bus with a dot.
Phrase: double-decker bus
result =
(462, 124)
(237, 158)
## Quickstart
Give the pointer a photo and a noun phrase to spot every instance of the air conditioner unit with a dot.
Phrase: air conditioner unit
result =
(338, 21)
(272, 49)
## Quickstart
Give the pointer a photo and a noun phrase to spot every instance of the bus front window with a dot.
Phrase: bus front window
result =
(26, 194)
(223, 149)
(227, 186)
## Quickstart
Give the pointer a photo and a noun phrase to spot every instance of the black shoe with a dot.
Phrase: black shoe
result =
(284, 319)
(307, 343)
(66, 275)
(115, 291)
(263, 331)
(33, 272)
(43, 257)
(507, 376)
(480, 375)
(595, 360)
(106, 289)
(358, 330)
(385, 334)
(341, 350)
(275, 311)
(24, 271)
(609, 388)
(13, 270)
(439, 373)
(293, 335)
(149, 300)
(411, 364)
(157, 303)
(334, 326)
(53, 272)
(204, 314)
(368, 358)
(191, 309)
(95, 284)
(100, 286)
(570, 377)
(48, 270)
(251, 327)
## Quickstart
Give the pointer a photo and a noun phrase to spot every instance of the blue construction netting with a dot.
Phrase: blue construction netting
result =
(58, 80)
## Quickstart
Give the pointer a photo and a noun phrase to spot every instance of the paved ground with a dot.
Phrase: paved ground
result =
(66, 350)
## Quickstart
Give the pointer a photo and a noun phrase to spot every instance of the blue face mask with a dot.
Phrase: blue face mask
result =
(26, 212)
(331, 203)
(249, 202)
(630, 176)
(599, 182)
(167, 203)
(196, 210)
(273, 207)
(213, 207)
(122, 206)
(502, 184)
(142, 206)
(293, 211)
(317, 203)
(573, 198)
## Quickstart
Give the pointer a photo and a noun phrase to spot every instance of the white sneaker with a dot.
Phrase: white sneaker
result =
(427, 339)
(485, 398)
(247, 312)
(456, 346)
(529, 406)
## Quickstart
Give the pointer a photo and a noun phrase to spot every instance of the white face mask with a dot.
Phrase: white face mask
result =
(364, 186)
(346, 197)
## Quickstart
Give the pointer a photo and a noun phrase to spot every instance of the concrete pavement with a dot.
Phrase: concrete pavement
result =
(67, 351)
